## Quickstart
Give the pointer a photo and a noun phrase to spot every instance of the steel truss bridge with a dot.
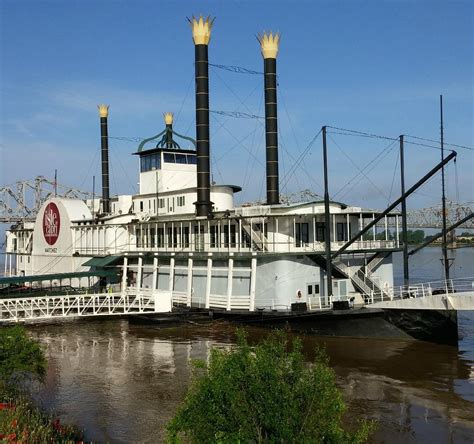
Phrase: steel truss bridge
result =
(22, 201)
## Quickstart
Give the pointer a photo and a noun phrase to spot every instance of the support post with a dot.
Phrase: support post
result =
(253, 282)
(189, 290)
(208, 280)
(327, 219)
(230, 274)
(406, 271)
(139, 273)
(445, 240)
(155, 273)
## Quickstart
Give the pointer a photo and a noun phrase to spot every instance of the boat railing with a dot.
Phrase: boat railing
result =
(420, 290)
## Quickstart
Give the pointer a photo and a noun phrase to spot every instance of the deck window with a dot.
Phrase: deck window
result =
(341, 231)
(161, 237)
(320, 231)
(301, 234)
(180, 158)
(215, 240)
(185, 240)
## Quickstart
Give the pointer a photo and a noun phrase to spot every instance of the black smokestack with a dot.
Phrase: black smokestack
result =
(201, 36)
(104, 142)
(269, 45)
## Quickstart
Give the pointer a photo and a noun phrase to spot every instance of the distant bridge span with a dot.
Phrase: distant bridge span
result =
(22, 201)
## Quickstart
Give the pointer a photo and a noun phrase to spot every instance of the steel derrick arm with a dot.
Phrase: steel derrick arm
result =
(451, 228)
(417, 185)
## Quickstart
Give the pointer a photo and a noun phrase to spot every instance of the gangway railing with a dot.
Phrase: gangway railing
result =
(129, 302)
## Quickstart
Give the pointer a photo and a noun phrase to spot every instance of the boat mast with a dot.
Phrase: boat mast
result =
(406, 271)
(327, 220)
(444, 243)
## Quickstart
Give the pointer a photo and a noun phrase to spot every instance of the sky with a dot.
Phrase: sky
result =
(373, 66)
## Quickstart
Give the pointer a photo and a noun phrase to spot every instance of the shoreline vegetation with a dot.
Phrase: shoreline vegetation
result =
(265, 393)
(417, 237)
(261, 394)
(22, 362)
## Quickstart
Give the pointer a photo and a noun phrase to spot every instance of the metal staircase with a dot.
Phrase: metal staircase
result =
(257, 238)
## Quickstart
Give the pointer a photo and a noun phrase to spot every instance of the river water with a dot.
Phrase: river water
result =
(122, 382)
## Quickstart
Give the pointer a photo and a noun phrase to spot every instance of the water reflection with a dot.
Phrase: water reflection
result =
(122, 382)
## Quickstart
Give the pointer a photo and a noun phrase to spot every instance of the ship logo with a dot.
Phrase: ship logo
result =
(51, 223)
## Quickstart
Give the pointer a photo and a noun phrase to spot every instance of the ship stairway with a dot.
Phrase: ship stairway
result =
(360, 277)
(255, 236)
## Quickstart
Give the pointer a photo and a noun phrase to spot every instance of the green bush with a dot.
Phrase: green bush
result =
(21, 358)
(263, 394)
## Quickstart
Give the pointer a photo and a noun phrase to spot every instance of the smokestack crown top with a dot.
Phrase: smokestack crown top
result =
(168, 118)
(103, 110)
(201, 29)
(269, 44)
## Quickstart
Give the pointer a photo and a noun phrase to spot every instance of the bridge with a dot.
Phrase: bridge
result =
(22, 201)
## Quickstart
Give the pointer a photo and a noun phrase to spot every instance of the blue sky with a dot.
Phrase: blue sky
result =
(375, 66)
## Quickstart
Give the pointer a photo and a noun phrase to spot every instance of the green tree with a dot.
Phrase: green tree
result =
(263, 394)
(21, 358)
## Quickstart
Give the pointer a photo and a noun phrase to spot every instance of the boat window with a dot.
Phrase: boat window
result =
(161, 237)
(301, 234)
(150, 162)
(180, 158)
(215, 242)
(320, 231)
(185, 240)
(168, 157)
(310, 290)
(341, 229)
(192, 159)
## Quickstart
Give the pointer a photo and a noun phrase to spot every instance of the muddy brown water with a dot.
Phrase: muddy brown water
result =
(122, 382)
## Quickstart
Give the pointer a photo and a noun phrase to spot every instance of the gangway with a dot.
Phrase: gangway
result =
(131, 301)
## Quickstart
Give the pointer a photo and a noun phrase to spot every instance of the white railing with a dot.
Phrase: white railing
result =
(81, 305)
(420, 290)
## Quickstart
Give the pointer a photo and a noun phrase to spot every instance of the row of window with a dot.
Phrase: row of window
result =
(302, 232)
(162, 203)
(151, 162)
(178, 237)
(225, 235)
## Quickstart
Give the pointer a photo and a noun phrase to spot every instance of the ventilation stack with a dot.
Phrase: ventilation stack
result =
(201, 35)
(269, 46)
(104, 142)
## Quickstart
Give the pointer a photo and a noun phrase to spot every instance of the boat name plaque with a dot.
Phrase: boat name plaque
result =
(51, 223)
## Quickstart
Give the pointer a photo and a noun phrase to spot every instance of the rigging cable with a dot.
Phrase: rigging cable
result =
(235, 69)
(357, 167)
(369, 167)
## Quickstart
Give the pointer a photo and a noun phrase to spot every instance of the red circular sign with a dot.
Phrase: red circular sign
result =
(51, 223)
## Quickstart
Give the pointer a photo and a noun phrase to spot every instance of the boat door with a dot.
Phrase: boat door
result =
(313, 295)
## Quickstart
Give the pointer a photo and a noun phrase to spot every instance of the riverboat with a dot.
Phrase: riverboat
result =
(182, 237)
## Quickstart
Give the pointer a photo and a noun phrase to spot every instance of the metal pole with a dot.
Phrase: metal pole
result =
(55, 183)
(417, 185)
(406, 272)
(93, 197)
(444, 243)
(327, 221)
